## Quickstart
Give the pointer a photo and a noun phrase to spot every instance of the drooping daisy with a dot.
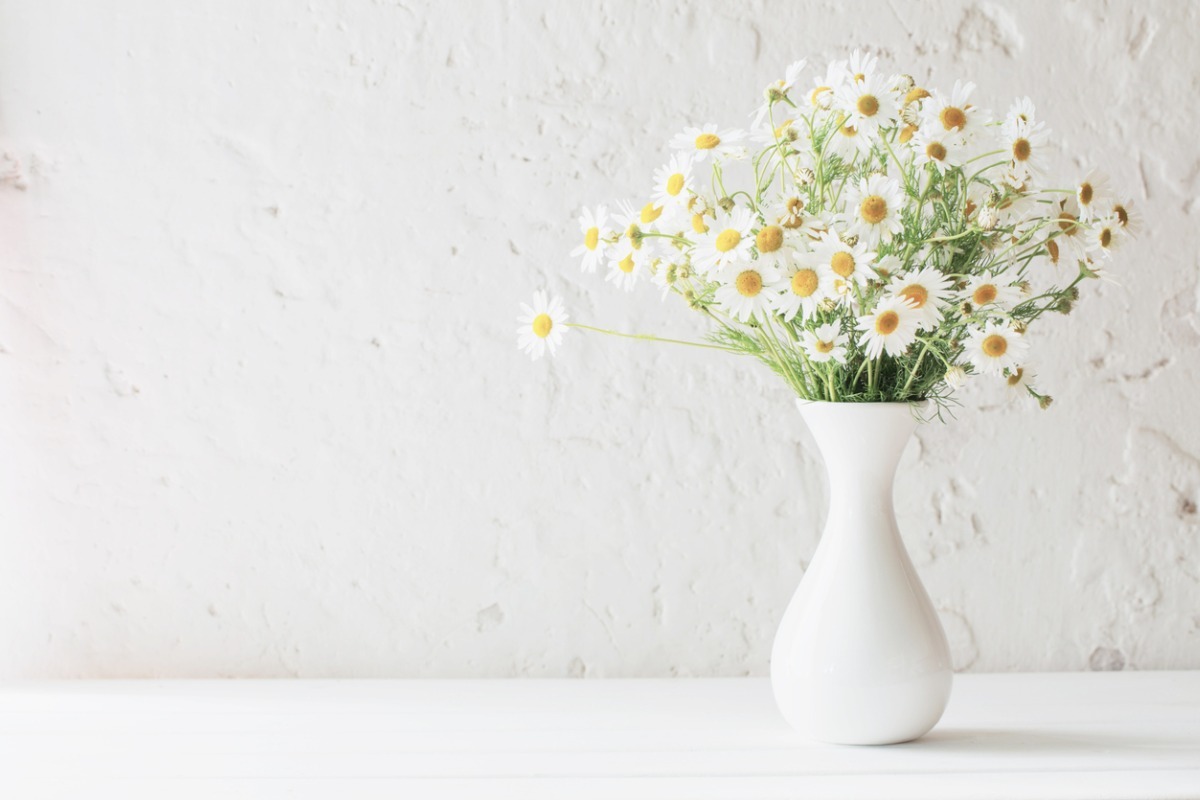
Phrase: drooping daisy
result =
(707, 141)
(954, 112)
(1071, 237)
(1026, 150)
(778, 90)
(596, 232)
(849, 265)
(928, 290)
(942, 148)
(868, 104)
(542, 325)
(727, 240)
(876, 204)
(825, 343)
(746, 288)
(1093, 196)
(628, 257)
(805, 284)
(890, 328)
(1129, 217)
(995, 348)
(673, 185)
(986, 290)
(1105, 235)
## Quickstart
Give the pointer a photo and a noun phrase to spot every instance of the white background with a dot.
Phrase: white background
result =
(262, 413)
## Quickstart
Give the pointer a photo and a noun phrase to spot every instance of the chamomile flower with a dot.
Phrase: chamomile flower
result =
(848, 141)
(848, 264)
(804, 285)
(790, 214)
(727, 240)
(861, 67)
(825, 343)
(745, 289)
(774, 246)
(673, 185)
(932, 145)
(596, 232)
(778, 90)
(867, 104)
(1026, 150)
(987, 291)
(956, 377)
(928, 291)
(890, 328)
(954, 112)
(1071, 239)
(708, 141)
(1105, 235)
(826, 86)
(1128, 216)
(1093, 196)
(876, 204)
(1020, 115)
(542, 325)
(994, 348)
(626, 264)
(1019, 380)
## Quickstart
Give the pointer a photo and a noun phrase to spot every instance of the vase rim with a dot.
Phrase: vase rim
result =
(802, 403)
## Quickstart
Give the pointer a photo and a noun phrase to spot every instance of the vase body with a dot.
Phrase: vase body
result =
(860, 656)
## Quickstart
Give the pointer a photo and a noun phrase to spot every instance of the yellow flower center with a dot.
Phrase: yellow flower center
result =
(1086, 192)
(698, 223)
(907, 132)
(675, 184)
(1067, 222)
(1105, 237)
(591, 238)
(887, 322)
(748, 283)
(1122, 214)
(859, 77)
(792, 210)
(727, 240)
(873, 210)
(849, 130)
(1021, 150)
(542, 325)
(823, 347)
(1015, 378)
(842, 263)
(769, 239)
(1052, 249)
(984, 294)
(781, 129)
(650, 212)
(914, 94)
(917, 294)
(626, 264)
(936, 151)
(995, 345)
(953, 118)
(815, 97)
(868, 105)
(707, 141)
(805, 282)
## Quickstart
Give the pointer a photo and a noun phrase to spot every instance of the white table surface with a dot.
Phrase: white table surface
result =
(1064, 735)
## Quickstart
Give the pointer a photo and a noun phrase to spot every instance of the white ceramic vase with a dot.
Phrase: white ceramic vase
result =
(860, 656)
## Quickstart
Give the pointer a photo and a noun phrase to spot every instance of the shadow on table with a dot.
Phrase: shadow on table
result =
(1024, 742)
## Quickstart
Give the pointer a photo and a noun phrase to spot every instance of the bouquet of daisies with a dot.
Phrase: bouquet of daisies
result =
(868, 239)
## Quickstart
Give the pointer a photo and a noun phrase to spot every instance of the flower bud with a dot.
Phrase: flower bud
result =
(726, 204)
(955, 377)
(1045, 401)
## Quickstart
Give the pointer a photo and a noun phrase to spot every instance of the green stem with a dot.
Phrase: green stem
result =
(649, 337)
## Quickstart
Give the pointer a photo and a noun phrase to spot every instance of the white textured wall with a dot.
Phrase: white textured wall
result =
(261, 411)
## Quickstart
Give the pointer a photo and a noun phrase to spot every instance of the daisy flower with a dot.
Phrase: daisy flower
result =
(876, 202)
(542, 325)
(1019, 379)
(861, 67)
(1021, 114)
(928, 291)
(995, 348)
(825, 87)
(1093, 196)
(727, 240)
(955, 377)
(1129, 217)
(708, 141)
(1071, 237)
(938, 147)
(594, 227)
(802, 289)
(773, 246)
(867, 104)
(826, 343)
(848, 141)
(791, 216)
(778, 90)
(890, 329)
(954, 112)
(673, 185)
(1105, 235)
(849, 265)
(626, 265)
(1026, 151)
(985, 290)
(746, 289)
